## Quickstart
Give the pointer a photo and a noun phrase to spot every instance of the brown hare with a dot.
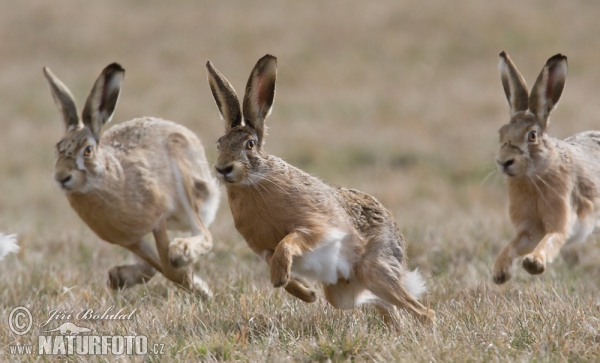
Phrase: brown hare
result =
(142, 176)
(553, 184)
(302, 227)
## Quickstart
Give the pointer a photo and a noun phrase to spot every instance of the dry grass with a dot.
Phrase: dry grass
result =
(399, 99)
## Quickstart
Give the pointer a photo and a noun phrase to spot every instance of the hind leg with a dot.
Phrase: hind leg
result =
(389, 313)
(382, 275)
(123, 276)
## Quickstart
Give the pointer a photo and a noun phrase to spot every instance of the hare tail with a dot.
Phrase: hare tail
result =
(8, 244)
(414, 283)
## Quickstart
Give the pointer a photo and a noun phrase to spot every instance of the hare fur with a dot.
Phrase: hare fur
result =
(553, 185)
(142, 176)
(304, 228)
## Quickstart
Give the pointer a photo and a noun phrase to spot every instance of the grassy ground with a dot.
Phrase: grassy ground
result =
(399, 99)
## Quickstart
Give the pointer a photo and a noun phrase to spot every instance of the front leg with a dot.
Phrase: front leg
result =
(291, 245)
(546, 251)
(523, 243)
(183, 277)
(296, 287)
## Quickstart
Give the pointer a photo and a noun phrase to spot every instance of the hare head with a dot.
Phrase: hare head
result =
(78, 159)
(523, 148)
(241, 156)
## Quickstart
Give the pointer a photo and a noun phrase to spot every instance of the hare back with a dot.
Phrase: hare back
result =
(373, 223)
(283, 198)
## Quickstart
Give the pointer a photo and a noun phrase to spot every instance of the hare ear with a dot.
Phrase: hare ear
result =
(101, 102)
(548, 88)
(260, 93)
(64, 101)
(225, 97)
(514, 85)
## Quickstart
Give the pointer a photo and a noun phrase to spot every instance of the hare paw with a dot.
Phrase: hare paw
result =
(534, 265)
(184, 251)
(501, 273)
(280, 275)
(201, 289)
(123, 276)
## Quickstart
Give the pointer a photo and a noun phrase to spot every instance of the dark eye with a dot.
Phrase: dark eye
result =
(532, 136)
(218, 146)
(87, 151)
(250, 144)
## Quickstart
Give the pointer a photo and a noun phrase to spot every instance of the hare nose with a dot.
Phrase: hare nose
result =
(224, 171)
(508, 163)
(65, 180)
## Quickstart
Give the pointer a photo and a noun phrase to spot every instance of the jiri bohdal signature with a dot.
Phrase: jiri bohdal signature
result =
(89, 314)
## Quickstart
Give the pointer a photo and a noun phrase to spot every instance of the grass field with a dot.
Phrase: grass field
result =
(399, 99)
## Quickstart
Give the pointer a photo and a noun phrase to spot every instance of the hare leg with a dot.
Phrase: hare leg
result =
(523, 243)
(389, 313)
(545, 251)
(183, 277)
(296, 287)
(301, 289)
(281, 261)
(382, 275)
(184, 251)
(123, 276)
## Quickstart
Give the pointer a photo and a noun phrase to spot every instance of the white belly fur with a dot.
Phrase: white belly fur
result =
(326, 262)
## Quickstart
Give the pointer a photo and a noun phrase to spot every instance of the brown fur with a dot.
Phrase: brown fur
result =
(303, 227)
(554, 185)
(141, 176)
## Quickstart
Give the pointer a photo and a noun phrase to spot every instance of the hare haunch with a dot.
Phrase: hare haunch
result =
(553, 185)
(141, 176)
(304, 228)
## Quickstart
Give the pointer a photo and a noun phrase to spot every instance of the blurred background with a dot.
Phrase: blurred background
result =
(400, 99)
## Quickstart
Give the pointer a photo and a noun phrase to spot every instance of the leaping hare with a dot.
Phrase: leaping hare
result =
(141, 176)
(553, 184)
(304, 228)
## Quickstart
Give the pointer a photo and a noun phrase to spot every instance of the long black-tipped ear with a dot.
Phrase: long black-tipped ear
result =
(260, 93)
(64, 101)
(548, 88)
(514, 85)
(225, 97)
(101, 102)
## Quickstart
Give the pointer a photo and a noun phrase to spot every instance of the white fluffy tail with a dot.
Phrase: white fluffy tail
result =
(8, 244)
(414, 283)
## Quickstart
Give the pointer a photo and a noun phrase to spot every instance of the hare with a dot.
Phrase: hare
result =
(141, 176)
(302, 227)
(553, 185)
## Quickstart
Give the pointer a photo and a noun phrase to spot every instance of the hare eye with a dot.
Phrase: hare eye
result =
(250, 144)
(532, 136)
(87, 151)
(218, 146)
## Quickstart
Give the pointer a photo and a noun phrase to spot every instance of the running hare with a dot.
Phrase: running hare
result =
(141, 176)
(553, 184)
(304, 228)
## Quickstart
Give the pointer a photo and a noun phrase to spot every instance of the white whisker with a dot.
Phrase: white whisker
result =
(548, 185)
